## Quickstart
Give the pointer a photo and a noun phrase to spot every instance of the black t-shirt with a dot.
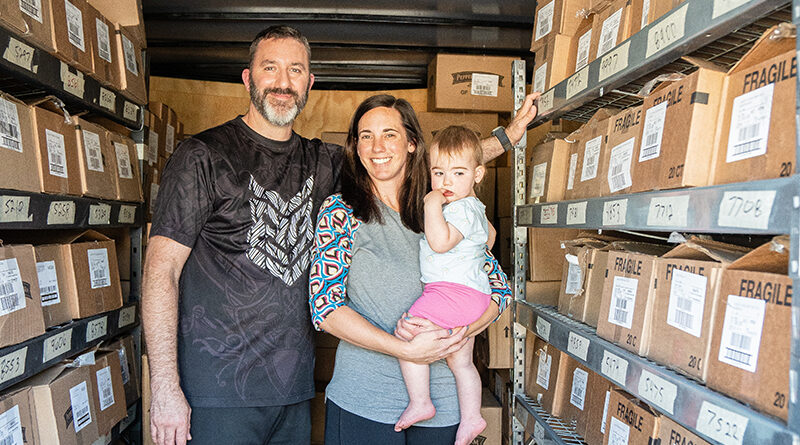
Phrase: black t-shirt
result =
(247, 207)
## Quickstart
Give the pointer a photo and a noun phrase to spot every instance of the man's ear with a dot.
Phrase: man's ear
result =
(246, 78)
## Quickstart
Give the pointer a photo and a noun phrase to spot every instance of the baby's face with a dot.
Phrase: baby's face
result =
(456, 175)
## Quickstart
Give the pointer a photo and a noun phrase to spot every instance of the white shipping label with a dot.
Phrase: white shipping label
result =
(669, 211)
(483, 85)
(741, 332)
(11, 427)
(746, 209)
(48, 282)
(538, 180)
(618, 432)
(573, 166)
(98, 268)
(549, 214)
(103, 40)
(74, 25)
(605, 413)
(725, 6)
(619, 166)
(96, 328)
(33, 8)
(10, 133)
(91, 144)
(574, 279)
(645, 13)
(543, 328)
(129, 53)
(13, 365)
(127, 214)
(657, 391)
(544, 21)
(623, 299)
(123, 161)
(578, 346)
(108, 99)
(79, 401)
(578, 394)
(99, 214)
(653, 132)
(12, 291)
(614, 367)
(123, 364)
(591, 158)
(614, 212)
(584, 42)
(540, 78)
(750, 118)
(56, 153)
(57, 345)
(61, 212)
(169, 139)
(687, 299)
(104, 388)
(666, 32)
(543, 371)
(538, 434)
(546, 101)
(126, 316)
(576, 213)
(153, 197)
(609, 33)
(130, 110)
(614, 62)
(577, 82)
(722, 425)
(152, 147)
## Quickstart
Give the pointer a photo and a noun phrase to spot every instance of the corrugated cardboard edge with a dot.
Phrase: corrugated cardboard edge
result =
(776, 40)
(640, 247)
(708, 250)
(772, 257)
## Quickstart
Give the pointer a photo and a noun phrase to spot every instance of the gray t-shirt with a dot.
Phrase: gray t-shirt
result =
(383, 282)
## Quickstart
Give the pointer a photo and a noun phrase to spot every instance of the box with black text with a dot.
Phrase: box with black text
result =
(624, 138)
(58, 151)
(105, 53)
(542, 372)
(71, 33)
(109, 393)
(547, 168)
(587, 157)
(19, 153)
(583, 275)
(630, 420)
(18, 418)
(552, 63)
(95, 160)
(470, 83)
(556, 17)
(62, 399)
(128, 364)
(30, 19)
(20, 302)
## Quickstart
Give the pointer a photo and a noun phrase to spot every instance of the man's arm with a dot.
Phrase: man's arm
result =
(170, 414)
(492, 148)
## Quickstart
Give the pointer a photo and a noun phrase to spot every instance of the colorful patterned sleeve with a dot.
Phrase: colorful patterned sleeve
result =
(498, 281)
(330, 260)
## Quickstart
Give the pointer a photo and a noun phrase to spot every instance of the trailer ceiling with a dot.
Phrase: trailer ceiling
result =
(355, 45)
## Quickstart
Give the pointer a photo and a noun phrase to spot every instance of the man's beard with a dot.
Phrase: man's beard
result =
(277, 114)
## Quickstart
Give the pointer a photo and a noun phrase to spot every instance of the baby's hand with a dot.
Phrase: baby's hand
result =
(435, 196)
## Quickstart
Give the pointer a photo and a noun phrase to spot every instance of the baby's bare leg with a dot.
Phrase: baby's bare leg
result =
(468, 384)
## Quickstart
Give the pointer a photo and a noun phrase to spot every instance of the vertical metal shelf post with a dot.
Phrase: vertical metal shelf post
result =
(794, 264)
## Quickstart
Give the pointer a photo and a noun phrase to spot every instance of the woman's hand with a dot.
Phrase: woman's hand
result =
(430, 346)
(409, 327)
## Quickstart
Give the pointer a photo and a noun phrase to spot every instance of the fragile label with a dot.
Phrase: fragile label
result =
(623, 299)
(619, 167)
(576, 213)
(12, 291)
(687, 298)
(104, 388)
(12, 365)
(577, 82)
(15, 209)
(10, 133)
(573, 165)
(103, 41)
(540, 78)
(578, 394)
(609, 33)
(61, 212)
(584, 43)
(108, 99)
(130, 111)
(657, 391)
(124, 169)
(746, 209)
(19, 54)
(56, 153)
(653, 132)
(482, 85)
(91, 145)
(99, 214)
(96, 328)
(666, 32)
(129, 53)
(614, 212)
(99, 272)
(79, 400)
(33, 8)
(11, 427)
(741, 332)
(544, 21)
(549, 214)
(725, 6)
(574, 279)
(127, 214)
(543, 370)
(546, 101)
(591, 158)
(73, 83)
(618, 432)
(614, 62)
(578, 346)
(614, 367)
(724, 426)
(543, 328)
(126, 316)
(57, 345)
(750, 119)
(48, 283)
(538, 180)
(670, 211)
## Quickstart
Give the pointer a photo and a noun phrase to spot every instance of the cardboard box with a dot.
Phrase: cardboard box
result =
(128, 177)
(128, 365)
(109, 393)
(32, 21)
(588, 159)
(492, 413)
(543, 362)
(671, 432)
(52, 269)
(580, 45)
(630, 420)
(105, 53)
(19, 153)
(654, 9)
(578, 380)
(480, 123)
(62, 399)
(555, 129)
(542, 292)
(548, 164)
(552, 63)
(593, 428)
(95, 161)
(485, 191)
(21, 315)
(543, 246)
(687, 278)
(71, 33)
(678, 131)
(622, 144)
(501, 342)
(334, 137)
(583, 278)
(750, 143)
(130, 65)
(127, 13)
(19, 419)
(470, 83)
(58, 151)
(556, 17)
(626, 309)
(611, 26)
(505, 182)
(750, 351)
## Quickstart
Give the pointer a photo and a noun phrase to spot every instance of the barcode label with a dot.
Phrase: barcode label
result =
(619, 170)
(123, 364)
(578, 394)
(741, 332)
(153, 197)
(583, 50)
(573, 166)
(538, 180)
(9, 126)
(609, 32)
(543, 371)
(574, 279)
(544, 21)
(48, 282)
(104, 388)
(94, 158)
(152, 147)
(33, 8)
(12, 292)
(591, 158)
(618, 432)
(56, 153)
(540, 78)
(169, 140)
(103, 40)
(483, 85)
(98, 268)
(750, 121)
(11, 427)
(653, 132)
(687, 297)
(130, 55)
(79, 401)
(123, 161)
(74, 25)
(623, 300)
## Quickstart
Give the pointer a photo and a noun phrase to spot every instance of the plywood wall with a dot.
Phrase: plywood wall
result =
(201, 105)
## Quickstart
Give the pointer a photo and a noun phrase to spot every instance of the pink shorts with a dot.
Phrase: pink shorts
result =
(450, 305)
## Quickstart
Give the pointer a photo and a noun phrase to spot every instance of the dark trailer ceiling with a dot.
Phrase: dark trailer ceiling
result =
(356, 45)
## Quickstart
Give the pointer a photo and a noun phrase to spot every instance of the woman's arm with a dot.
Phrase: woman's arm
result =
(498, 282)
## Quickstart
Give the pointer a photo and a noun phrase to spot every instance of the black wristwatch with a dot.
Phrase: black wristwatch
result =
(500, 134)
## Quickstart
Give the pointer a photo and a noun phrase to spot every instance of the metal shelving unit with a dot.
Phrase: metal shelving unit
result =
(34, 211)
(720, 31)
